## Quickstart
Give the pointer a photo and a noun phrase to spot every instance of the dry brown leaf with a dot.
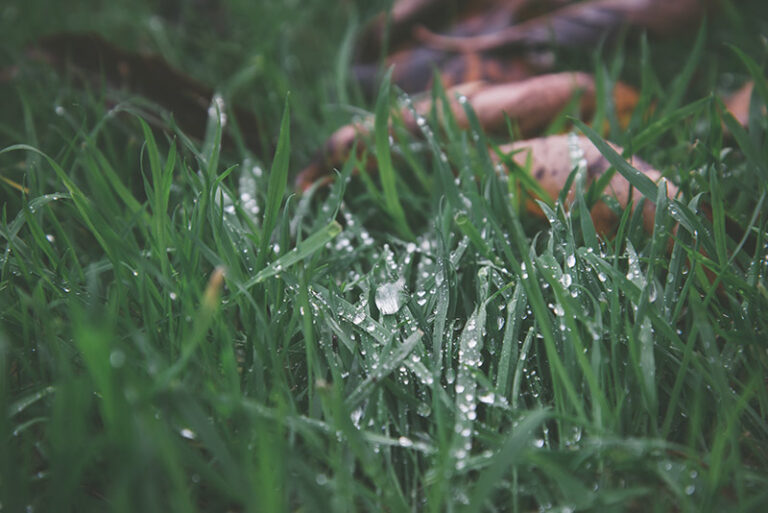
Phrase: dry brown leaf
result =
(413, 69)
(551, 164)
(579, 24)
(532, 104)
(90, 57)
(414, 64)
(467, 18)
(397, 25)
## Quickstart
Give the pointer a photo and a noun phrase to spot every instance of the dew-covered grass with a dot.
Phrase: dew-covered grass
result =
(181, 332)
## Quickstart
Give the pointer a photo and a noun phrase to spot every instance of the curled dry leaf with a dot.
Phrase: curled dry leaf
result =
(467, 18)
(413, 69)
(579, 24)
(551, 164)
(89, 57)
(532, 104)
(413, 65)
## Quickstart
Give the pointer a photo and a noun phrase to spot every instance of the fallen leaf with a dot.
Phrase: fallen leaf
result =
(396, 26)
(738, 103)
(552, 163)
(532, 104)
(414, 64)
(579, 24)
(91, 58)
(414, 69)
(464, 17)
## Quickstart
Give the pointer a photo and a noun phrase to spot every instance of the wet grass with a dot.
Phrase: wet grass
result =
(180, 332)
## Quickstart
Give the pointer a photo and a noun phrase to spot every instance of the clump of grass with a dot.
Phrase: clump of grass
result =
(180, 335)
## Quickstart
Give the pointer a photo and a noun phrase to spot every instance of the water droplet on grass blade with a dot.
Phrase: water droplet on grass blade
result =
(404, 441)
(390, 296)
(117, 358)
(487, 398)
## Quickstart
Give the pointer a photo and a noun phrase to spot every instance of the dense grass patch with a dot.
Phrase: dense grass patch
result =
(180, 332)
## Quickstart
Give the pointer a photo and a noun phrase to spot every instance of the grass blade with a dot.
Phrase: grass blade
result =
(302, 250)
(278, 179)
(384, 160)
(637, 179)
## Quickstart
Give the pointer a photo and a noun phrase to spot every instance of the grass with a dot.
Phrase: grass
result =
(179, 332)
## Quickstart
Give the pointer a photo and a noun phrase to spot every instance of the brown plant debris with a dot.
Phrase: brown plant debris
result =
(579, 24)
(89, 58)
(551, 163)
(738, 103)
(531, 104)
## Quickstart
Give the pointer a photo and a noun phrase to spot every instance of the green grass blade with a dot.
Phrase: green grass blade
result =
(384, 369)
(384, 160)
(278, 180)
(638, 180)
(303, 249)
(758, 75)
(509, 454)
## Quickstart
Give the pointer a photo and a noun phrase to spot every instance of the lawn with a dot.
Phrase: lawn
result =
(180, 330)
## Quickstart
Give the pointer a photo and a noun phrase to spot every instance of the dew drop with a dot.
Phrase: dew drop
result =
(389, 297)
(117, 358)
